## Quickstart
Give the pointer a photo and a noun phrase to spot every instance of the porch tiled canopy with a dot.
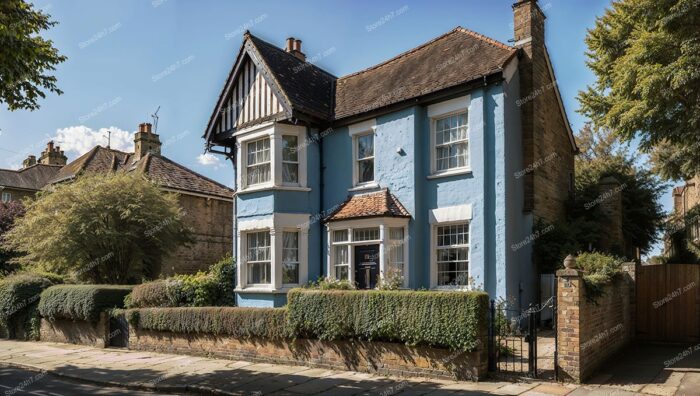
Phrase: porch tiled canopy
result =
(376, 204)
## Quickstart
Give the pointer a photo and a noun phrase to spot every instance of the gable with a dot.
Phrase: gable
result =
(250, 100)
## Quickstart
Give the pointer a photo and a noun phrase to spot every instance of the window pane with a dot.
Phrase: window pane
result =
(289, 148)
(290, 246)
(365, 146)
(259, 273)
(290, 173)
(342, 272)
(258, 168)
(366, 234)
(341, 255)
(290, 273)
(396, 233)
(340, 236)
(365, 171)
(451, 148)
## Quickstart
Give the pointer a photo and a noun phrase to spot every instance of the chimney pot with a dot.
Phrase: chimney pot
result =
(290, 44)
(145, 127)
(297, 45)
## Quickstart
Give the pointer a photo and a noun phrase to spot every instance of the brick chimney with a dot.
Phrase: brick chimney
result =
(146, 141)
(52, 155)
(528, 25)
(29, 161)
(294, 47)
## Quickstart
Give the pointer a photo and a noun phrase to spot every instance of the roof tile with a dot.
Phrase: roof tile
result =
(375, 204)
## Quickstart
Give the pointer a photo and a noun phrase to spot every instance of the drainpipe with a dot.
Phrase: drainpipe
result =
(320, 197)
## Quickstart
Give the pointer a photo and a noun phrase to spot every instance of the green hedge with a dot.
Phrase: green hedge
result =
(454, 320)
(203, 289)
(81, 302)
(19, 298)
(269, 323)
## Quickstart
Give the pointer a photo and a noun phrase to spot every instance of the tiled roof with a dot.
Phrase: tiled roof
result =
(34, 177)
(160, 169)
(170, 174)
(376, 204)
(308, 88)
(455, 58)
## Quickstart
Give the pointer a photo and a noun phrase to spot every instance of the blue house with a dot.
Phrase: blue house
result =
(430, 169)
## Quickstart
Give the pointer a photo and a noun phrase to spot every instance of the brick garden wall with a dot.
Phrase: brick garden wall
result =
(76, 332)
(370, 357)
(590, 332)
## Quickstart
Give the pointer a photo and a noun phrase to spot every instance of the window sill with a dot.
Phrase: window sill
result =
(361, 187)
(453, 172)
(268, 187)
(451, 288)
(260, 289)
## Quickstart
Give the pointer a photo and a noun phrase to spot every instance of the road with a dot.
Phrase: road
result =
(22, 382)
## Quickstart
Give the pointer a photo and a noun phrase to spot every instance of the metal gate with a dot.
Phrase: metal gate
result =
(513, 337)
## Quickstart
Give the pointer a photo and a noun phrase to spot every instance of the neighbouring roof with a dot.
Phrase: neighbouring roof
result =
(165, 172)
(428, 68)
(34, 177)
(376, 204)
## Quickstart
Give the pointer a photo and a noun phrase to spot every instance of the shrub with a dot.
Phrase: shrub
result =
(330, 283)
(599, 270)
(268, 323)
(203, 289)
(9, 211)
(19, 298)
(453, 320)
(81, 302)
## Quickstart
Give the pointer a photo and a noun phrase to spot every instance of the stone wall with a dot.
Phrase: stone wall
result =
(370, 357)
(76, 332)
(589, 332)
(212, 223)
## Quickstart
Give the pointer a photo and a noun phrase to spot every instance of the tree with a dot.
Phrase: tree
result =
(114, 228)
(603, 154)
(646, 58)
(8, 213)
(25, 57)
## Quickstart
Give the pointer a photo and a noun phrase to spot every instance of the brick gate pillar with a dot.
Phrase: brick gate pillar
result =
(570, 293)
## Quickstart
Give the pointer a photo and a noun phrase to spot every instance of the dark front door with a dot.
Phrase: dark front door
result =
(366, 266)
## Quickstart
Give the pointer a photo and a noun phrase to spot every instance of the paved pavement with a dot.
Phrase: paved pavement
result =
(640, 372)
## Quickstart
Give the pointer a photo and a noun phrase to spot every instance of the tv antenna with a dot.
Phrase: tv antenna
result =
(109, 138)
(155, 120)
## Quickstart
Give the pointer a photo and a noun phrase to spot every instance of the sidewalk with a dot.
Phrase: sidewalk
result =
(186, 374)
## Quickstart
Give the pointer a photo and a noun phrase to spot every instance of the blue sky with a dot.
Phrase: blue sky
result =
(127, 57)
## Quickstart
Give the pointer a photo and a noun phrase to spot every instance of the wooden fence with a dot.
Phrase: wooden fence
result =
(668, 303)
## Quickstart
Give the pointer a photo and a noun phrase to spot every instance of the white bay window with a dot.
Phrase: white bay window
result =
(272, 156)
(273, 252)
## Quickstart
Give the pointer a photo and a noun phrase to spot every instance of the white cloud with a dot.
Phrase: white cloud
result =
(209, 159)
(81, 139)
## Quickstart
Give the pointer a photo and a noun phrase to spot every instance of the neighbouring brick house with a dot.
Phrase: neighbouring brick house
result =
(685, 199)
(436, 163)
(18, 184)
(208, 205)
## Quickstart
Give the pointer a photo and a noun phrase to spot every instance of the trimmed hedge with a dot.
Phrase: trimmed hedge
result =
(269, 323)
(81, 302)
(204, 289)
(19, 298)
(454, 320)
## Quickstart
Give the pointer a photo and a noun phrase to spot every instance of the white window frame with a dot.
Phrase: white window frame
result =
(249, 262)
(248, 165)
(297, 262)
(288, 183)
(276, 224)
(274, 131)
(437, 248)
(445, 216)
(384, 224)
(6, 196)
(443, 110)
(355, 131)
